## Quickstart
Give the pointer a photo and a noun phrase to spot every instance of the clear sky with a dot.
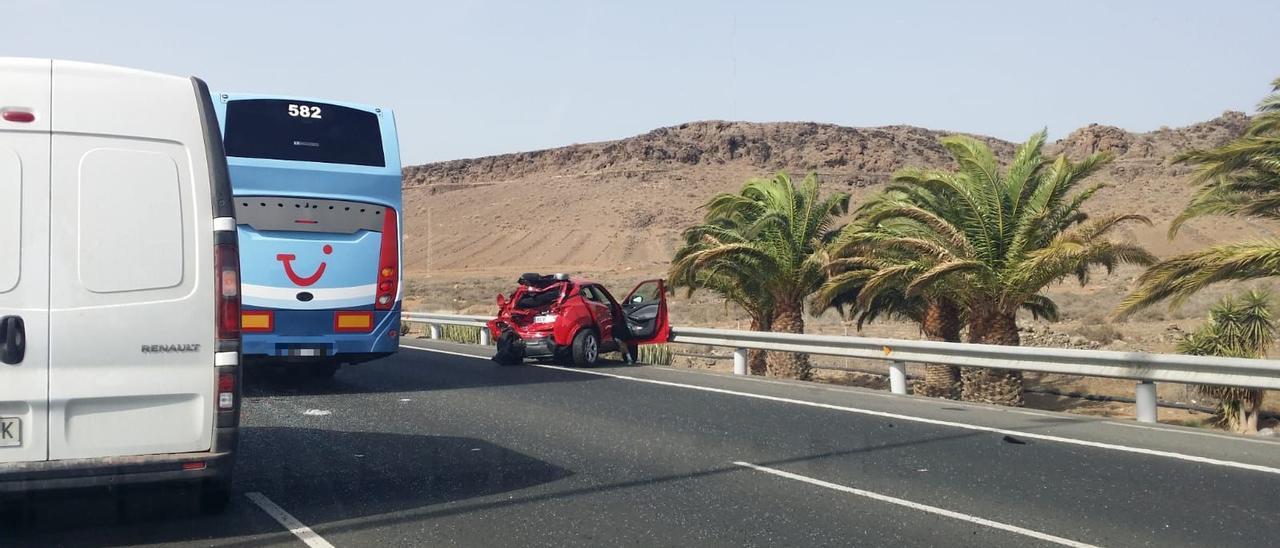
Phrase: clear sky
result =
(470, 79)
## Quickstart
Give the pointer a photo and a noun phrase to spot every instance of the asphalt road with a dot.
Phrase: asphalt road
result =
(429, 448)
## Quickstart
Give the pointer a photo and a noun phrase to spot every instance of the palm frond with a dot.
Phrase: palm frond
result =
(938, 273)
(1042, 307)
(1179, 277)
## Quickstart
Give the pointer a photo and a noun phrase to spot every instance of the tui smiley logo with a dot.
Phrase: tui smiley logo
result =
(286, 259)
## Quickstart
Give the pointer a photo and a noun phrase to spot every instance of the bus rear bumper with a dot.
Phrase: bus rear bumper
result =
(308, 336)
(312, 348)
(350, 358)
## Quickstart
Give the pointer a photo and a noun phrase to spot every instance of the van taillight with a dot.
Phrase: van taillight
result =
(388, 262)
(226, 391)
(227, 266)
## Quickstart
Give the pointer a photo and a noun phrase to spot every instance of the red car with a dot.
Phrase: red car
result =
(572, 320)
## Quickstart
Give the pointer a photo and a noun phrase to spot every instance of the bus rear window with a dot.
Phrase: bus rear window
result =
(296, 130)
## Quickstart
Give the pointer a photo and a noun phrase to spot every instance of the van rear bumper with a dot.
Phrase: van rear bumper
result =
(22, 477)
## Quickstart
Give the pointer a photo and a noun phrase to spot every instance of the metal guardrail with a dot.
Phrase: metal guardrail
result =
(434, 321)
(1146, 368)
(1087, 363)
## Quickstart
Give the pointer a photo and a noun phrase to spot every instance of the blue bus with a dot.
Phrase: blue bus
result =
(317, 200)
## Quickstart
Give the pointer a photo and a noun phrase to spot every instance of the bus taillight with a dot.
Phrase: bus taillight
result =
(257, 321)
(358, 321)
(388, 262)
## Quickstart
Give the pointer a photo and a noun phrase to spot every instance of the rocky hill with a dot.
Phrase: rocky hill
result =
(618, 206)
(854, 155)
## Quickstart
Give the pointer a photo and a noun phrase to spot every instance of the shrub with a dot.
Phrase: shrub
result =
(656, 354)
(461, 333)
(1101, 332)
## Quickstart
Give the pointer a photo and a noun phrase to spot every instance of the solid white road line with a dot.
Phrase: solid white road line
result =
(451, 353)
(1227, 437)
(304, 533)
(885, 414)
(921, 507)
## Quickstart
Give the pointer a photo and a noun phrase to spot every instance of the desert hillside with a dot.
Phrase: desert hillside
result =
(614, 210)
(619, 206)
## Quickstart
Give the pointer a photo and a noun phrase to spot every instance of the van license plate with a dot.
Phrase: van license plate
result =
(10, 431)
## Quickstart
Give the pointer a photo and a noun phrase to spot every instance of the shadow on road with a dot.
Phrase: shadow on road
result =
(319, 475)
(406, 371)
(333, 517)
(360, 473)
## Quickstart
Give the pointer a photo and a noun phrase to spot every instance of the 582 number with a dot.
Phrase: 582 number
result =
(304, 111)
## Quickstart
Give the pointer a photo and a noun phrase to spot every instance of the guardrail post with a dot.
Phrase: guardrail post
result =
(435, 331)
(1146, 401)
(898, 377)
(739, 361)
(484, 336)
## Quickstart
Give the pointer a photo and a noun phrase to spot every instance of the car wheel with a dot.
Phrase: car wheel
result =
(506, 358)
(510, 351)
(586, 348)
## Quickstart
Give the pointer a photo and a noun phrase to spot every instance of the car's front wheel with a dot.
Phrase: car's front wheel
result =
(586, 348)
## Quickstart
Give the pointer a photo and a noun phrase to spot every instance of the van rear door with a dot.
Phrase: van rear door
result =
(24, 264)
(132, 317)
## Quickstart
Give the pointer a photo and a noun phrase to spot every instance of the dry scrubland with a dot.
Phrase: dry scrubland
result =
(613, 211)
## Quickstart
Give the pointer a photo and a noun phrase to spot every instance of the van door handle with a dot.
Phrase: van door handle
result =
(13, 339)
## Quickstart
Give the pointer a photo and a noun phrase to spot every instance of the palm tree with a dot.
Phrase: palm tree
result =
(1237, 328)
(992, 240)
(1242, 179)
(775, 232)
(938, 317)
(871, 282)
(871, 279)
(728, 279)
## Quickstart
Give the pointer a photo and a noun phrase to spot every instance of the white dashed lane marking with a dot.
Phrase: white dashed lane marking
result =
(304, 533)
(917, 506)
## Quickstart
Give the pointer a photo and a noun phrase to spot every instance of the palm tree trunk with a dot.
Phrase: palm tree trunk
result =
(756, 362)
(789, 318)
(998, 386)
(941, 322)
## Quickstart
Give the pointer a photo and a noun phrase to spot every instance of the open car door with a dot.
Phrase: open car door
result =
(646, 311)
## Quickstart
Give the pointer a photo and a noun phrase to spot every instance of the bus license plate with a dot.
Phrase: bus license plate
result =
(305, 352)
(10, 431)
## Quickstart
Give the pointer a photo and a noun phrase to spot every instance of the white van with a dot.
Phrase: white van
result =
(119, 284)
